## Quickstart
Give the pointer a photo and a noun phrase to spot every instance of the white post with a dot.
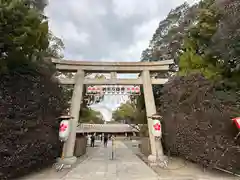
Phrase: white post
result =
(74, 112)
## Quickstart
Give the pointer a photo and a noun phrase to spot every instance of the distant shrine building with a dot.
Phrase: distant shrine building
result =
(111, 129)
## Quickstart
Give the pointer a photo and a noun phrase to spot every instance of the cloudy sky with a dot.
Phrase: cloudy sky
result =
(107, 30)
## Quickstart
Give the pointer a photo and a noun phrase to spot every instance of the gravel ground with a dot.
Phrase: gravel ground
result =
(180, 169)
(51, 173)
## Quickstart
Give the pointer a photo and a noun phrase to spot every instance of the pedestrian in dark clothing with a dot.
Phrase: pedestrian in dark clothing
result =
(105, 140)
(92, 141)
(101, 138)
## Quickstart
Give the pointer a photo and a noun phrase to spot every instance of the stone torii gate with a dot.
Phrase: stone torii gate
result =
(83, 67)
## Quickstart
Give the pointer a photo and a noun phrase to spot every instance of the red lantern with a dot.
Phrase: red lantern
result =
(137, 90)
(89, 89)
(128, 90)
(237, 122)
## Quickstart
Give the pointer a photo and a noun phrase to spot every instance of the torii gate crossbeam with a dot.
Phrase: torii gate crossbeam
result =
(123, 67)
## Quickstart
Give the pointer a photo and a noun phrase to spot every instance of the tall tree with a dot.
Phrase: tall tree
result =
(167, 39)
(130, 114)
(24, 35)
(225, 42)
(202, 38)
(90, 116)
(198, 56)
(39, 4)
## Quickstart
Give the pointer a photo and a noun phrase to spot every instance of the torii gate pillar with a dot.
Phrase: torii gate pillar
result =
(156, 146)
(69, 145)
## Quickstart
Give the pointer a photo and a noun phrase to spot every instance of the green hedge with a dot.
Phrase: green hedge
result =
(197, 121)
(30, 102)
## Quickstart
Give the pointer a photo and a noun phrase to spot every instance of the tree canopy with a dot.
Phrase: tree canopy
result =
(24, 35)
(200, 38)
(130, 114)
(90, 116)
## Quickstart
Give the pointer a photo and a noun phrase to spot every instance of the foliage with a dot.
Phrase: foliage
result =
(67, 91)
(39, 4)
(191, 62)
(55, 47)
(88, 115)
(214, 41)
(126, 112)
(24, 35)
(227, 39)
(30, 104)
(133, 114)
(197, 121)
(129, 114)
(31, 100)
(167, 41)
(197, 57)
(168, 37)
(202, 38)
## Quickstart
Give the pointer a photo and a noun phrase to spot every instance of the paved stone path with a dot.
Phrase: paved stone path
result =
(125, 166)
(98, 165)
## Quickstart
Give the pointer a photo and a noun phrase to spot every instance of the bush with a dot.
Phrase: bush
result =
(30, 102)
(197, 121)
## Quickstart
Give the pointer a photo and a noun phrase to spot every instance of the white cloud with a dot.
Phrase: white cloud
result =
(126, 8)
(84, 37)
(107, 29)
(69, 32)
(146, 29)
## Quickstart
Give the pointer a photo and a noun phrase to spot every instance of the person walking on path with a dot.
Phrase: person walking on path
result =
(105, 140)
(89, 140)
(92, 140)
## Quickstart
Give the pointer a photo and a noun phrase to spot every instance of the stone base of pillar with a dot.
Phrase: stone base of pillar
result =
(67, 160)
(161, 161)
(152, 160)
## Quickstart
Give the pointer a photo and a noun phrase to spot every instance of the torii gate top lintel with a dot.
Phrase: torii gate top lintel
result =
(113, 68)
(123, 67)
